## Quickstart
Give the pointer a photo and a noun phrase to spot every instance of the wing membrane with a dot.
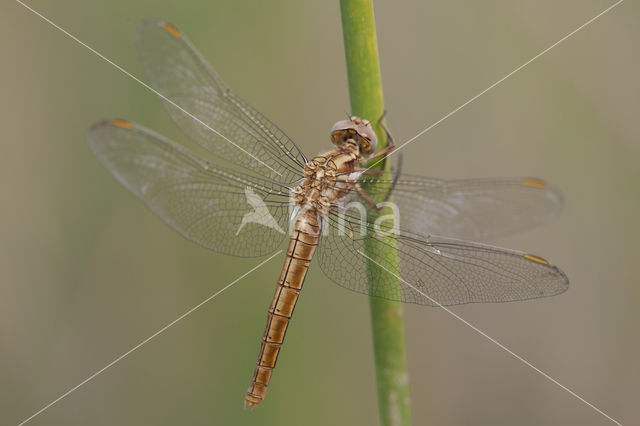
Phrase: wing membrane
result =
(224, 123)
(205, 203)
(467, 209)
(435, 270)
(246, 214)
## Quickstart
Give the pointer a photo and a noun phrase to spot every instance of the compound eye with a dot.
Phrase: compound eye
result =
(365, 145)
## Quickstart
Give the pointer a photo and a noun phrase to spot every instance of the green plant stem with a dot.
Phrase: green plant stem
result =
(365, 90)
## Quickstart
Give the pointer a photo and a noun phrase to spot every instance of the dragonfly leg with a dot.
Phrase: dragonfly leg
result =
(367, 198)
(395, 178)
(387, 133)
(376, 173)
(380, 173)
(390, 142)
(383, 153)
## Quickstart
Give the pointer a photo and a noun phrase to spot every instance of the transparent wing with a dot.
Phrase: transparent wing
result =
(218, 208)
(467, 209)
(224, 123)
(433, 270)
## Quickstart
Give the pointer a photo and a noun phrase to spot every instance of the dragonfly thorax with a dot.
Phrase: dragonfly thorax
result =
(328, 178)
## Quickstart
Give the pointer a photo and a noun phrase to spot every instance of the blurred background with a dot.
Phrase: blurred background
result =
(87, 272)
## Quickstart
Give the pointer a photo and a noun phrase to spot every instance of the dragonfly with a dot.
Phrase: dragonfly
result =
(248, 186)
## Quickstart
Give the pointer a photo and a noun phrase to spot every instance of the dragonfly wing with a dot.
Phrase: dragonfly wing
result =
(208, 111)
(215, 207)
(468, 209)
(430, 270)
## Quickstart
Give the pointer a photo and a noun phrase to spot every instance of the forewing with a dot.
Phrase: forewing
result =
(207, 204)
(430, 270)
(467, 209)
(208, 111)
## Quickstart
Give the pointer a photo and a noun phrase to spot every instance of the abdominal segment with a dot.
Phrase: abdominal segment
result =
(302, 245)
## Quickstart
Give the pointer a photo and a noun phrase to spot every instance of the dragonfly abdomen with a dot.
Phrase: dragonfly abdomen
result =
(302, 245)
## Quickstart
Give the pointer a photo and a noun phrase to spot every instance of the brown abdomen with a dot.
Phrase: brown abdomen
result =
(302, 245)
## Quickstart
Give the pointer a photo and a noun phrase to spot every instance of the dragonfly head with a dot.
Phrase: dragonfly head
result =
(358, 130)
